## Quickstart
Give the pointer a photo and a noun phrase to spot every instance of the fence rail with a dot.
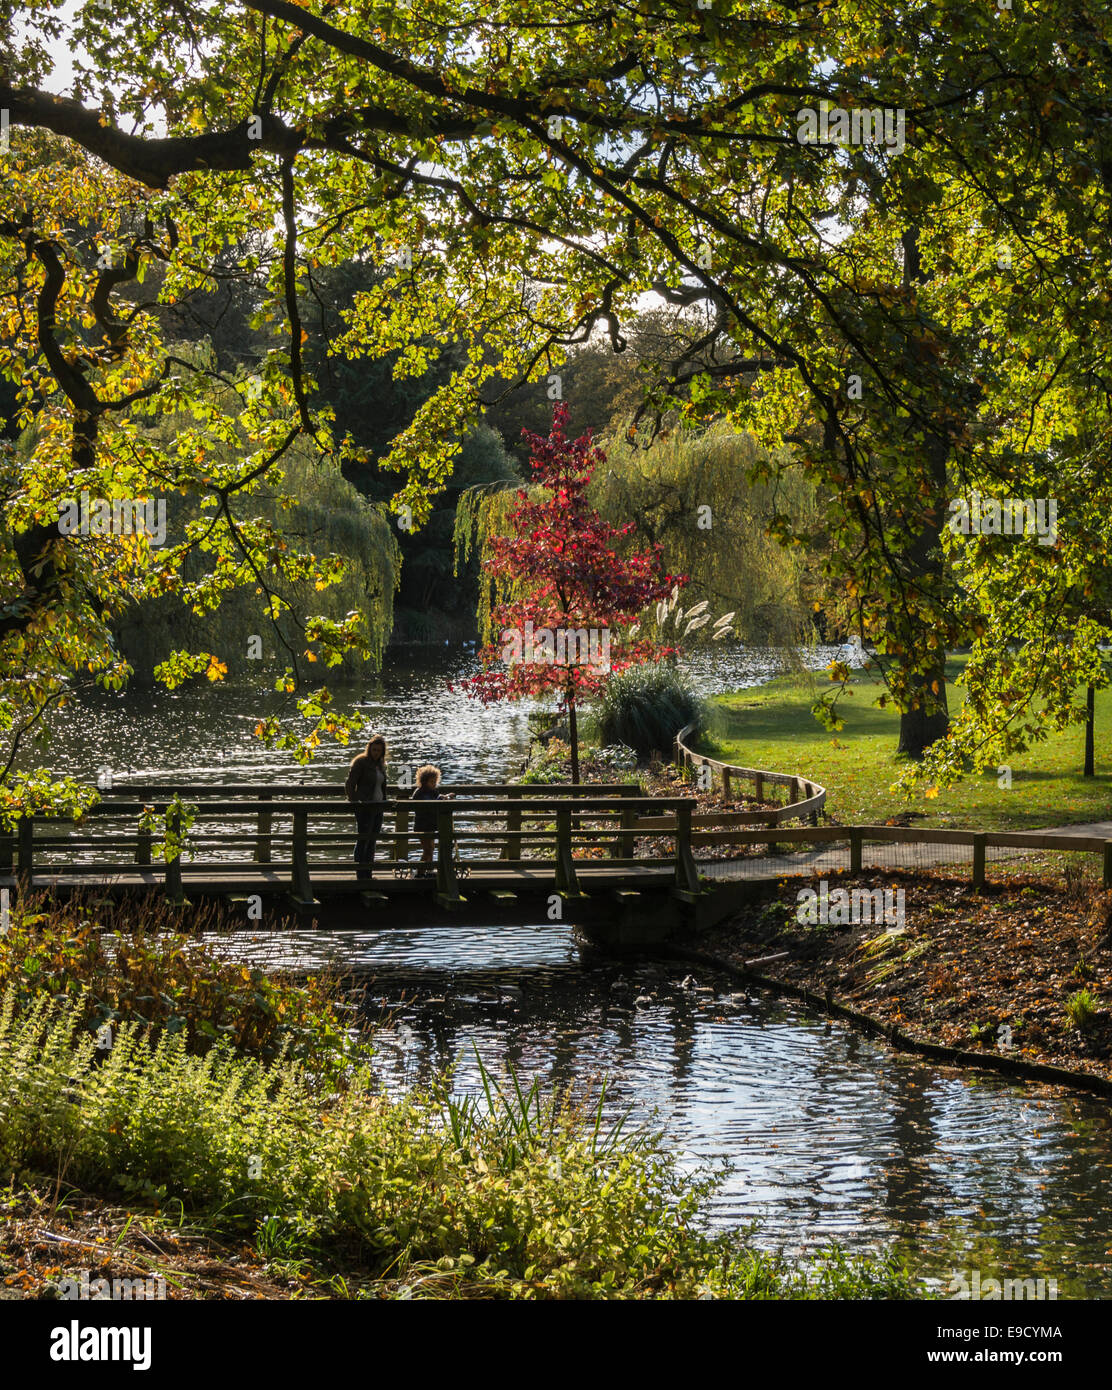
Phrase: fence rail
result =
(243, 836)
(806, 798)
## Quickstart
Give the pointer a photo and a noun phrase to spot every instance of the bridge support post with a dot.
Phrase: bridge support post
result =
(143, 844)
(687, 871)
(174, 891)
(399, 850)
(25, 835)
(854, 850)
(299, 865)
(447, 885)
(262, 833)
(567, 882)
(512, 848)
(629, 832)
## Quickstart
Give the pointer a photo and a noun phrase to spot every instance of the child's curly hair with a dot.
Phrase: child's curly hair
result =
(428, 771)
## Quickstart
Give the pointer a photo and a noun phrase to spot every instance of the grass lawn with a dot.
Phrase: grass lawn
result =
(771, 727)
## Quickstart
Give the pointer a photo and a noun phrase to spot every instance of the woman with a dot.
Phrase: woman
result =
(366, 789)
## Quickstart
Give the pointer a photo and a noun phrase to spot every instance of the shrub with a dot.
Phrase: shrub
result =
(645, 707)
(131, 963)
(548, 763)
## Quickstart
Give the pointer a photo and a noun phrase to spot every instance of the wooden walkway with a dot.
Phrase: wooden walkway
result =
(578, 854)
(530, 852)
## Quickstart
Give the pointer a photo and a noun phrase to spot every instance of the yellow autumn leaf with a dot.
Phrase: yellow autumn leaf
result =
(217, 670)
(931, 791)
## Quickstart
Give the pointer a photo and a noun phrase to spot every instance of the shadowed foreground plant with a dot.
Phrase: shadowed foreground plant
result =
(513, 1196)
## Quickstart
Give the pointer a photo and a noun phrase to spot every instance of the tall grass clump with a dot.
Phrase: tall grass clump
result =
(1081, 1009)
(515, 1196)
(645, 707)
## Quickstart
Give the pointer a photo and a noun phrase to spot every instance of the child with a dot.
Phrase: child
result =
(424, 818)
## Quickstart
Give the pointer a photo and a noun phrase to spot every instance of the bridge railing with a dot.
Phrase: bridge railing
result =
(525, 830)
(164, 791)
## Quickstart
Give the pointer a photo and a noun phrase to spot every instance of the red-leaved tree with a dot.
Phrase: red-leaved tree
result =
(563, 599)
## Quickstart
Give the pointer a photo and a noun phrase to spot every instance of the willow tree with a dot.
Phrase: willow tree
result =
(823, 187)
(695, 494)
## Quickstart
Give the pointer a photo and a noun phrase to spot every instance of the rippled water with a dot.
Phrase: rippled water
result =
(206, 734)
(830, 1135)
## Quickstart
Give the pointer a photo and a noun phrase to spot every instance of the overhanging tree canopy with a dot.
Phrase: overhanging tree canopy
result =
(529, 175)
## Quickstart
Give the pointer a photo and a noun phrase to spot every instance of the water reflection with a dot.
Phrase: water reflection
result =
(829, 1134)
(208, 734)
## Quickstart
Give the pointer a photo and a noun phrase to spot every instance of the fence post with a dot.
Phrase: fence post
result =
(7, 851)
(758, 786)
(687, 871)
(1108, 863)
(299, 862)
(447, 885)
(725, 784)
(854, 849)
(629, 832)
(173, 862)
(512, 849)
(567, 884)
(978, 862)
(262, 836)
(770, 824)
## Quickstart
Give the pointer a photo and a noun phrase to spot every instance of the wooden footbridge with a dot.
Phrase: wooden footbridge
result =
(605, 858)
(578, 854)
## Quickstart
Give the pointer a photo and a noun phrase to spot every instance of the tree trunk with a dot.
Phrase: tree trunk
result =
(573, 736)
(922, 567)
(1090, 721)
(918, 729)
